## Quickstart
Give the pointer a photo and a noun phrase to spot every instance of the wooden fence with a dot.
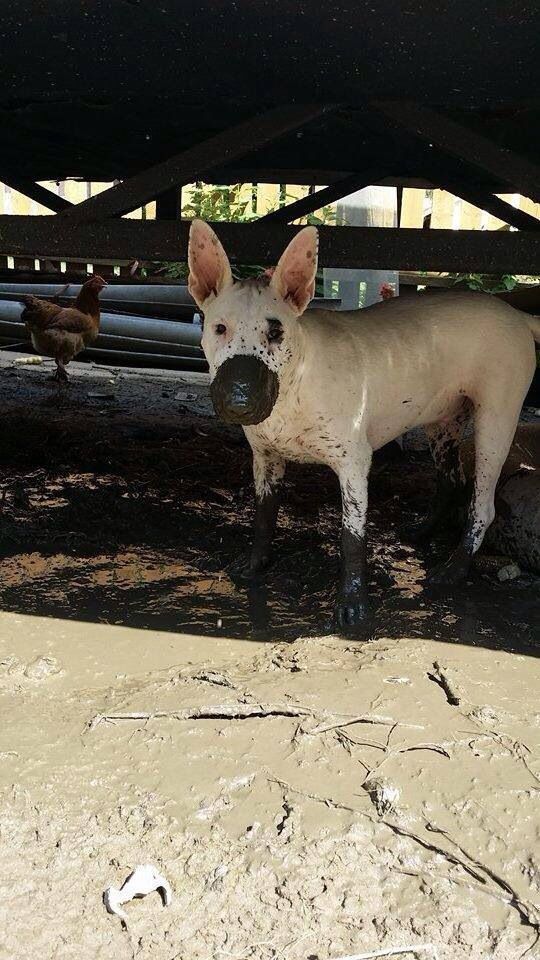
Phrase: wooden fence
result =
(434, 208)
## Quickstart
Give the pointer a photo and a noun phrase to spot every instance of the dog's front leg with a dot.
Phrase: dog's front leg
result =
(268, 471)
(352, 601)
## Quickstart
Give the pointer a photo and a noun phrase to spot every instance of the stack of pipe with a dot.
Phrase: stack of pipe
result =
(146, 336)
(158, 331)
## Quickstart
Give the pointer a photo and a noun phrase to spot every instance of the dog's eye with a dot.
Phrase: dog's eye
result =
(220, 329)
(275, 332)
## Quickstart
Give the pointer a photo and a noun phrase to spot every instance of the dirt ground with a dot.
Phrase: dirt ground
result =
(307, 796)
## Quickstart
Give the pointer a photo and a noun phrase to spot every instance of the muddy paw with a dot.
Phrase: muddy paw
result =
(249, 568)
(418, 530)
(452, 572)
(351, 612)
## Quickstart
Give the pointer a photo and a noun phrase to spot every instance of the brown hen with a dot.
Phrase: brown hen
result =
(62, 332)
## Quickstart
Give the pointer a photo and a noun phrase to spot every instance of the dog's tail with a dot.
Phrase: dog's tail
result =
(534, 327)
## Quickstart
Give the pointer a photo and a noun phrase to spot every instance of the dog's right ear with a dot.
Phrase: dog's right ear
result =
(294, 277)
(209, 267)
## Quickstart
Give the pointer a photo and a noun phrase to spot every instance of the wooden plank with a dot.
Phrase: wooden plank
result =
(314, 201)
(188, 166)
(412, 214)
(465, 144)
(471, 217)
(267, 198)
(441, 211)
(263, 243)
(38, 193)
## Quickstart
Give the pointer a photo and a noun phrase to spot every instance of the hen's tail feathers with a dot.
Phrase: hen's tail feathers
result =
(28, 300)
(33, 314)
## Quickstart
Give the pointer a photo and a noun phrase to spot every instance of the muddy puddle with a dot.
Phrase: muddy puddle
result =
(307, 796)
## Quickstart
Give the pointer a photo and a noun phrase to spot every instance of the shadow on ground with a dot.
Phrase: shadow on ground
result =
(130, 509)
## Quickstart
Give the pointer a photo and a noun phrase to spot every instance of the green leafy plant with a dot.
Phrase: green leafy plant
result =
(218, 203)
(486, 283)
(225, 203)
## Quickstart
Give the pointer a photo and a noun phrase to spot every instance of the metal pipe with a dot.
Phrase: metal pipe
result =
(173, 293)
(158, 300)
(162, 361)
(123, 325)
(9, 331)
(130, 344)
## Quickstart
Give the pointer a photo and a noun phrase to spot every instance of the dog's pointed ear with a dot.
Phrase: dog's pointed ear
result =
(294, 277)
(209, 267)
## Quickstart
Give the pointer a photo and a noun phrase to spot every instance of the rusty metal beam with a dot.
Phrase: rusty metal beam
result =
(38, 193)
(460, 141)
(293, 211)
(263, 243)
(190, 165)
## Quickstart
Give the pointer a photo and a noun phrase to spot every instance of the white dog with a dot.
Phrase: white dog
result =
(332, 387)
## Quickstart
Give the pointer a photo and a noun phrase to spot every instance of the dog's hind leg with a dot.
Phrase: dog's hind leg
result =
(494, 430)
(444, 439)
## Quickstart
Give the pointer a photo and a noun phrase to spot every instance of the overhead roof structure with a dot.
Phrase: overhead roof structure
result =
(159, 94)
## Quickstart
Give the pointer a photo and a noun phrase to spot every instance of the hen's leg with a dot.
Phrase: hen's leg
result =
(61, 374)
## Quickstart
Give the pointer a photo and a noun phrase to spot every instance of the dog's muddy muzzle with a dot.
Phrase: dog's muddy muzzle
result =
(244, 390)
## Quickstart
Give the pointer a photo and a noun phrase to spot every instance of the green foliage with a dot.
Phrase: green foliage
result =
(223, 203)
(218, 203)
(486, 283)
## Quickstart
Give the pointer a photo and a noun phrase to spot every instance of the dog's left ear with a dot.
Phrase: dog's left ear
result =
(294, 277)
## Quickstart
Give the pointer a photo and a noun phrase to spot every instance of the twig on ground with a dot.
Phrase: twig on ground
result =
(529, 912)
(394, 952)
(326, 801)
(366, 718)
(440, 676)
(222, 711)
(434, 747)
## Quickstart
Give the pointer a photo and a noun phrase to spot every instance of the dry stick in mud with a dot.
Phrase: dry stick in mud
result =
(223, 711)
(365, 718)
(529, 912)
(439, 676)
(241, 711)
(394, 952)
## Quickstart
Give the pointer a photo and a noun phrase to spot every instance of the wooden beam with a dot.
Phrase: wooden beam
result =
(456, 179)
(169, 204)
(293, 211)
(250, 174)
(38, 193)
(188, 166)
(460, 141)
(262, 243)
(492, 204)
(303, 177)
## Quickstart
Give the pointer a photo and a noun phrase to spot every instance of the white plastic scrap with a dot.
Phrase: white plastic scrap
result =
(142, 881)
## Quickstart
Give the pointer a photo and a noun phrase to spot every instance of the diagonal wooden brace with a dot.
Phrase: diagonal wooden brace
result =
(186, 167)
